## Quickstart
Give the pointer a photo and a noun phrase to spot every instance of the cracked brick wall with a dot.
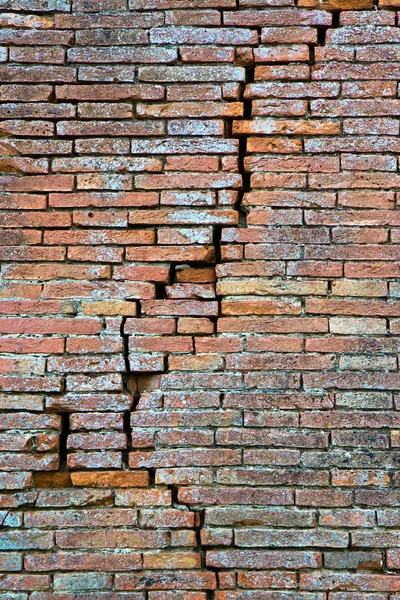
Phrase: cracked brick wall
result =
(199, 384)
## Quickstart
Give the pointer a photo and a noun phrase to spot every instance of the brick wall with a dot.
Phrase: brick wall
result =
(199, 290)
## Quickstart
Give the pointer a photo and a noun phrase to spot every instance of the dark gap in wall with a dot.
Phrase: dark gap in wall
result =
(322, 29)
(152, 477)
(125, 348)
(128, 433)
(335, 19)
(311, 60)
(217, 235)
(128, 428)
(161, 285)
(246, 177)
(127, 380)
(63, 452)
(198, 526)
(217, 243)
(321, 36)
(160, 291)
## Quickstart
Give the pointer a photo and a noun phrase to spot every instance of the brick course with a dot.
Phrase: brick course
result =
(200, 314)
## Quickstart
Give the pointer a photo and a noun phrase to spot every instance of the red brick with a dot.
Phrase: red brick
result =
(263, 559)
(347, 581)
(167, 579)
(200, 333)
(83, 561)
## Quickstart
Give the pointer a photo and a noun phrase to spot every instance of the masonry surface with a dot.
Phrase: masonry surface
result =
(200, 300)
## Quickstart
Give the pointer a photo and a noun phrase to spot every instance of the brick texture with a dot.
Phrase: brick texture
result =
(200, 300)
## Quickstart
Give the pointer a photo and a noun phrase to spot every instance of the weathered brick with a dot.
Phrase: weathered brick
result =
(200, 333)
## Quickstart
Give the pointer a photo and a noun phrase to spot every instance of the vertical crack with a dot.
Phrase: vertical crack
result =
(322, 29)
(125, 351)
(321, 35)
(198, 527)
(127, 380)
(63, 450)
(199, 520)
(128, 433)
(335, 19)
(217, 233)
(246, 176)
(131, 378)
